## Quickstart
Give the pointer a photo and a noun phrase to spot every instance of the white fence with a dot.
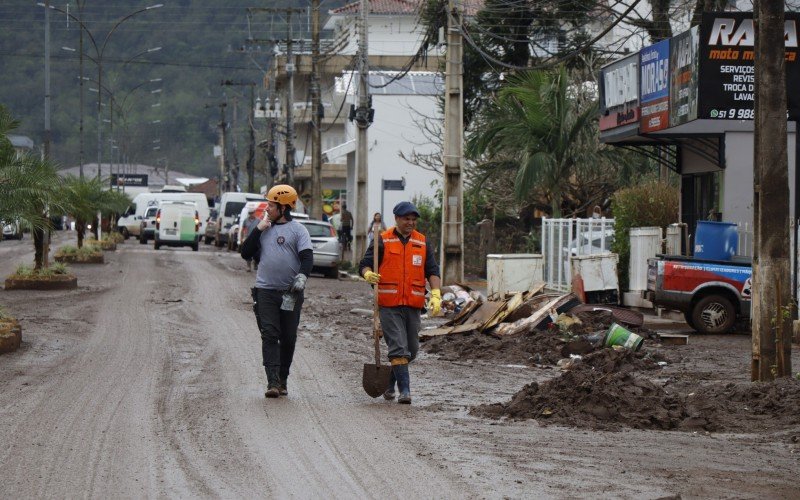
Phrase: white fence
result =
(564, 239)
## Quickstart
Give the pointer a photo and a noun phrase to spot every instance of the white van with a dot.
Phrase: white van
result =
(177, 225)
(259, 207)
(231, 205)
(130, 222)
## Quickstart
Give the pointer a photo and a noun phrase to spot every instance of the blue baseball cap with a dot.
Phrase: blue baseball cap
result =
(405, 208)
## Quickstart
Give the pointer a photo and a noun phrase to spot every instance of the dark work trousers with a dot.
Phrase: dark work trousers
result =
(278, 330)
(400, 327)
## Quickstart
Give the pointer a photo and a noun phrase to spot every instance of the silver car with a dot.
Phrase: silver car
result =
(11, 230)
(327, 250)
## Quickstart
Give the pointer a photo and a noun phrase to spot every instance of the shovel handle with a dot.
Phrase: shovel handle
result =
(376, 319)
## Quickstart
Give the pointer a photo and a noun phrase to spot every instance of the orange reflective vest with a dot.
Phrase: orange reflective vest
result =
(402, 271)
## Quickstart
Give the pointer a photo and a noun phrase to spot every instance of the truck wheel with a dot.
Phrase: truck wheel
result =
(689, 321)
(713, 314)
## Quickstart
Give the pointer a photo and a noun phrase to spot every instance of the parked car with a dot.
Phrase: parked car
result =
(231, 238)
(211, 227)
(327, 249)
(592, 242)
(177, 225)
(147, 227)
(12, 230)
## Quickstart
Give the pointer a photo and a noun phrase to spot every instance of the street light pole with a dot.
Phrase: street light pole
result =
(99, 51)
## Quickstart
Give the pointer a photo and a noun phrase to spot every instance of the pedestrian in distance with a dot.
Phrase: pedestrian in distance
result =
(284, 253)
(346, 226)
(247, 227)
(375, 227)
(405, 261)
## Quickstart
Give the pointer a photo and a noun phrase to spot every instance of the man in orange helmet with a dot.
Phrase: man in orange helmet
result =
(284, 252)
(405, 261)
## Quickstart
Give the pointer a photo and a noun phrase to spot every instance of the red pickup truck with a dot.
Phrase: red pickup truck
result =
(711, 294)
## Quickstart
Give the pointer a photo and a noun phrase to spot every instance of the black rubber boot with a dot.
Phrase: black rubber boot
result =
(403, 383)
(283, 388)
(273, 383)
(388, 394)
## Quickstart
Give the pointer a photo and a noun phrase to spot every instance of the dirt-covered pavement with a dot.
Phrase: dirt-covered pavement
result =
(146, 381)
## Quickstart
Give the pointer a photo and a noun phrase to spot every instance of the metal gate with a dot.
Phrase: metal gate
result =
(563, 239)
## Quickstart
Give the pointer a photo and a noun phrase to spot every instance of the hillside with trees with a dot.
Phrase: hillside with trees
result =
(166, 100)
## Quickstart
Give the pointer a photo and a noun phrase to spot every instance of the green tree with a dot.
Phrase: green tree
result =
(28, 187)
(84, 198)
(538, 121)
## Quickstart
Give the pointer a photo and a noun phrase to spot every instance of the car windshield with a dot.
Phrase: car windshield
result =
(233, 208)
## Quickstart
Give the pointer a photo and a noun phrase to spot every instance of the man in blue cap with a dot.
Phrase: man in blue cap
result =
(405, 261)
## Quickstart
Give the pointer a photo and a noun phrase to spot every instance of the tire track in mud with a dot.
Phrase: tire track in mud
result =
(74, 425)
(324, 432)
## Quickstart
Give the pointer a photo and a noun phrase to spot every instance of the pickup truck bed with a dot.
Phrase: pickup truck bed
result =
(710, 293)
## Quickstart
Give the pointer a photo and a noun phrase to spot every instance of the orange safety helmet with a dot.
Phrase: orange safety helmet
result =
(282, 194)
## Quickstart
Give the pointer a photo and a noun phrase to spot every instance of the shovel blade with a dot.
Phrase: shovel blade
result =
(375, 378)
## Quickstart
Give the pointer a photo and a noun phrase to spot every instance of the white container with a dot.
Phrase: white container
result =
(598, 271)
(517, 272)
(645, 243)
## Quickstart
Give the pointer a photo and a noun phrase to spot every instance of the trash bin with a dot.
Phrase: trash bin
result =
(716, 240)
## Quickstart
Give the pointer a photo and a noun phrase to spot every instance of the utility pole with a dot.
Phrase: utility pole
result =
(252, 147)
(290, 105)
(290, 68)
(45, 233)
(772, 307)
(222, 174)
(234, 178)
(316, 117)
(363, 118)
(452, 252)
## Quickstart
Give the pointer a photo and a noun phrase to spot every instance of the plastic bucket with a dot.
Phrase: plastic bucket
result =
(716, 240)
(618, 335)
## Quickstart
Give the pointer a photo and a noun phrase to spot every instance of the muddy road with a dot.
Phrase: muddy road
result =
(147, 382)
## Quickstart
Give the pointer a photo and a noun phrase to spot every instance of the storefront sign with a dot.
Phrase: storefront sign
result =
(684, 77)
(138, 180)
(654, 87)
(619, 93)
(727, 70)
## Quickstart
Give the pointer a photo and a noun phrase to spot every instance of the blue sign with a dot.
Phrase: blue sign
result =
(654, 68)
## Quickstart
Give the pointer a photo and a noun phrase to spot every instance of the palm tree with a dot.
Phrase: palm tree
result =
(539, 120)
(27, 188)
(84, 198)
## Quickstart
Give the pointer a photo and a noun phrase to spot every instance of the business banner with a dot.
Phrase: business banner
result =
(727, 65)
(138, 180)
(619, 93)
(654, 87)
(684, 76)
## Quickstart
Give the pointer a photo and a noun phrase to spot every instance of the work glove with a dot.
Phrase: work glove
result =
(372, 278)
(435, 302)
(299, 283)
(264, 223)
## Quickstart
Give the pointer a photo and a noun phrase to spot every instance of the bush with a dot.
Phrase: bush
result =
(28, 272)
(652, 204)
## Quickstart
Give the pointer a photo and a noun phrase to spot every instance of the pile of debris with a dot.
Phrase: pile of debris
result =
(574, 328)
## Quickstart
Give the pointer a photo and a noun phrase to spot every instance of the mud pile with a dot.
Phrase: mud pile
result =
(612, 389)
(537, 348)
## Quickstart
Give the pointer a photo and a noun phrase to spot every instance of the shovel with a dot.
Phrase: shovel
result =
(375, 378)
